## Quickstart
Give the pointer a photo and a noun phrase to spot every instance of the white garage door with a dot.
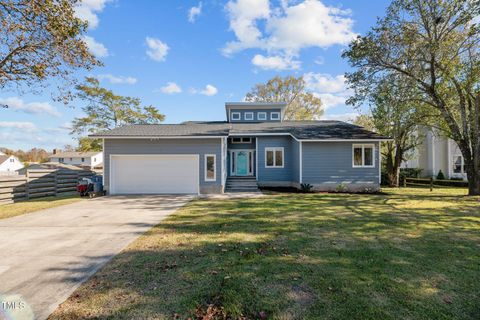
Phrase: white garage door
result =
(154, 174)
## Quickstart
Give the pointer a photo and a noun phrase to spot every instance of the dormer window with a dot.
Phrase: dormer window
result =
(236, 116)
(262, 116)
(275, 116)
(248, 115)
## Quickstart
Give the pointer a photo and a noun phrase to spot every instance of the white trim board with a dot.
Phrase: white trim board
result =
(206, 179)
(275, 149)
(363, 145)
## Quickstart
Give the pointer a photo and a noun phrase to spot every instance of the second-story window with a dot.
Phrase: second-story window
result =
(275, 116)
(248, 115)
(236, 116)
(262, 116)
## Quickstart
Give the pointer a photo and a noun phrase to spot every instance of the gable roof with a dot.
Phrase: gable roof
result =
(301, 130)
(74, 154)
(3, 158)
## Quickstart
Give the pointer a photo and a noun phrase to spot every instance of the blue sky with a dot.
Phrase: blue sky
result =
(187, 58)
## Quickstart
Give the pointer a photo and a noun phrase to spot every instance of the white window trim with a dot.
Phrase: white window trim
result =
(246, 140)
(363, 146)
(264, 116)
(248, 116)
(236, 142)
(277, 114)
(274, 149)
(214, 167)
(233, 114)
(462, 165)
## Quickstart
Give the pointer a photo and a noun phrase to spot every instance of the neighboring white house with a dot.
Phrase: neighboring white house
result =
(83, 159)
(436, 153)
(9, 164)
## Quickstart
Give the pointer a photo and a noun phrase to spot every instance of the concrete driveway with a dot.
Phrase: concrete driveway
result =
(46, 255)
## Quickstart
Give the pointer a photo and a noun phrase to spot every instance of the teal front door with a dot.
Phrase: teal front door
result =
(242, 163)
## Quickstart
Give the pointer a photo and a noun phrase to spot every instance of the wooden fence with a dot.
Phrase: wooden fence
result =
(432, 183)
(40, 183)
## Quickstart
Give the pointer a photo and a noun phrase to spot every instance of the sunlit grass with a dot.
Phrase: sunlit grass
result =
(411, 254)
(23, 207)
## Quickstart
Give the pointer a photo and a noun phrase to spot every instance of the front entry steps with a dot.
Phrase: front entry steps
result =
(241, 184)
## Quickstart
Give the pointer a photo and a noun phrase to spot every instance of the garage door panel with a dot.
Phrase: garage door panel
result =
(154, 174)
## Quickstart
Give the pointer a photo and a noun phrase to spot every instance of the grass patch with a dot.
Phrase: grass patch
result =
(28, 206)
(409, 254)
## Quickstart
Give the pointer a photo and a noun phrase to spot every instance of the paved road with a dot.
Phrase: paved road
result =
(46, 255)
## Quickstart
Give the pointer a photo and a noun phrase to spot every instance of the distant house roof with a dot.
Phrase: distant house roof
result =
(302, 130)
(73, 154)
(3, 158)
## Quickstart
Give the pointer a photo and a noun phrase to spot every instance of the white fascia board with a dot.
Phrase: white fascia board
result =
(157, 137)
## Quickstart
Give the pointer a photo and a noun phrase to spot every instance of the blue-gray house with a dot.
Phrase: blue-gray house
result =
(253, 147)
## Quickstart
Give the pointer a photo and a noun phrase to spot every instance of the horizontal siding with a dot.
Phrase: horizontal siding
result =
(275, 174)
(167, 146)
(255, 117)
(295, 160)
(331, 163)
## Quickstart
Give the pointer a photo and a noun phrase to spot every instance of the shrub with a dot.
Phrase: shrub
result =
(409, 173)
(440, 175)
(306, 187)
(341, 188)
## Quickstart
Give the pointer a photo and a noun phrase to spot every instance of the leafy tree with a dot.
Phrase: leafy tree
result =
(435, 45)
(394, 113)
(33, 155)
(40, 39)
(366, 121)
(106, 110)
(87, 144)
(301, 105)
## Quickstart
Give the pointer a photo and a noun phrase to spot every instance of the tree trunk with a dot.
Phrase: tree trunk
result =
(473, 176)
(392, 171)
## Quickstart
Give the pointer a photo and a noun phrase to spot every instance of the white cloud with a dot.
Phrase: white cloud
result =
(96, 48)
(194, 12)
(320, 60)
(332, 90)
(18, 104)
(243, 15)
(66, 126)
(208, 91)
(157, 50)
(331, 100)
(117, 79)
(24, 126)
(171, 88)
(275, 62)
(288, 28)
(88, 10)
(346, 117)
(322, 82)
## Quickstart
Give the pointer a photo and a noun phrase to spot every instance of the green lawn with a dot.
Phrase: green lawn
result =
(23, 207)
(411, 254)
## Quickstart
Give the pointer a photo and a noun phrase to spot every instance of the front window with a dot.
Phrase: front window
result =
(12, 160)
(262, 116)
(458, 165)
(83, 159)
(210, 167)
(363, 155)
(274, 157)
(61, 160)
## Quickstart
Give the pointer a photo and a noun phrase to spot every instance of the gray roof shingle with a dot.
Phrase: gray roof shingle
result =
(308, 130)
